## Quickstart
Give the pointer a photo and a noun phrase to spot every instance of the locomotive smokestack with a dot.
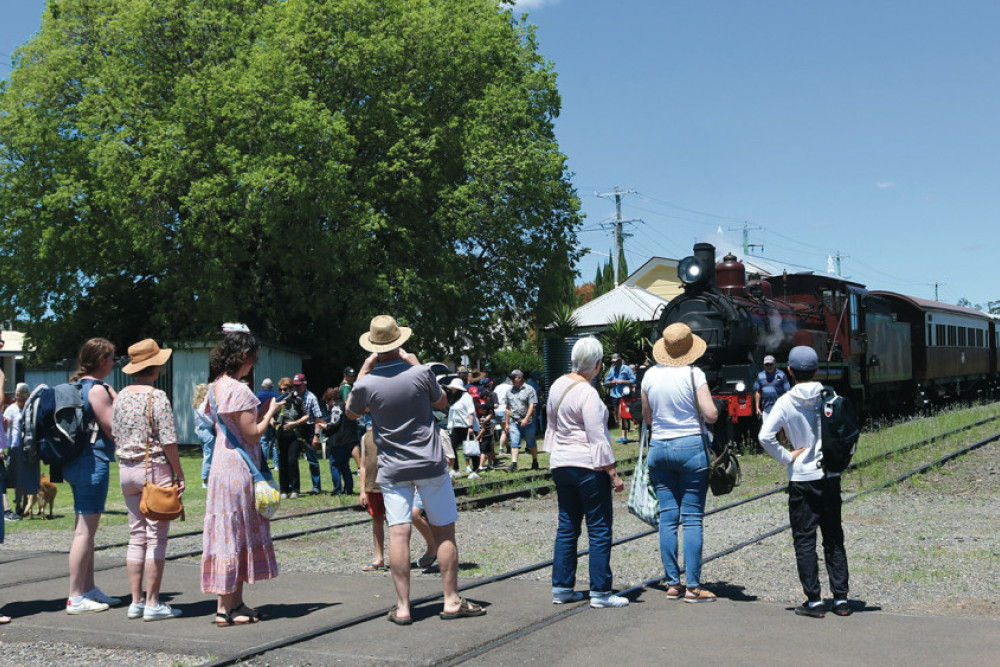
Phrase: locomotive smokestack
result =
(705, 254)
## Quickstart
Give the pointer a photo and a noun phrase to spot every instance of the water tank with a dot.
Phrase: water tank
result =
(558, 358)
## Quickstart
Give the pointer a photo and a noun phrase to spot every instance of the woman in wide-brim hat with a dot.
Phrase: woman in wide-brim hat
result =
(673, 392)
(143, 418)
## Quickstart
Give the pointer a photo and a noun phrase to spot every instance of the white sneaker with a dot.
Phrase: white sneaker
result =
(468, 468)
(609, 600)
(135, 610)
(473, 475)
(84, 606)
(160, 612)
(452, 473)
(567, 598)
(97, 595)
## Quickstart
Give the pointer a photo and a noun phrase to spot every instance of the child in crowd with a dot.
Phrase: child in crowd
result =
(371, 498)
(813, 493)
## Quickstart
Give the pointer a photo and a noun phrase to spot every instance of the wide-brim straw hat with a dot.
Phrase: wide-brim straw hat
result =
(678, 346)
(457, 384)
(384, 334)
(144, 354)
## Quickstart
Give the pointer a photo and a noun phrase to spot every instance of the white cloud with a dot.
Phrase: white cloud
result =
(882, 185)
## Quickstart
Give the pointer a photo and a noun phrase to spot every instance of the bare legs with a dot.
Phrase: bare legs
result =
(153, 569)
(424, 528)
(378, 533)
(81, 555)
(447, 553)
(399, 565)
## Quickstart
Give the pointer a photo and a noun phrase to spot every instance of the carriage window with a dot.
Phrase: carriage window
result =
(855, 324)
(961, 336)
(941, 338)
(980, 338)
(952, 335)
(930, 334)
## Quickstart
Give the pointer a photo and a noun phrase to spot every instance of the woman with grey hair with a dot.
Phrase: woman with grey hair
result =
(583, 469)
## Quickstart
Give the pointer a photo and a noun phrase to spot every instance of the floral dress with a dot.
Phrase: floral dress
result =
(237, 539)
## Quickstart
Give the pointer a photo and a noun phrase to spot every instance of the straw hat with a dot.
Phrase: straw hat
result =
(678, 346)
(457, 384)
(144, 354)
(384, 334)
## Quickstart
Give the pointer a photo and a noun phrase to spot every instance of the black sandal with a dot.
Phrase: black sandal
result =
(223, 620)
(254, 615)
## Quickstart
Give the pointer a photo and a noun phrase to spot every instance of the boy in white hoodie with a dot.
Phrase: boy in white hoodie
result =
(813, 494)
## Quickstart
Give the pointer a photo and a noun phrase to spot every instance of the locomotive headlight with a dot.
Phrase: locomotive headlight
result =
(690, 271)
(741, 387)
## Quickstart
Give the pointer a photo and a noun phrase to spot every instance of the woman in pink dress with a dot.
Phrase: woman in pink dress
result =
(237, 539)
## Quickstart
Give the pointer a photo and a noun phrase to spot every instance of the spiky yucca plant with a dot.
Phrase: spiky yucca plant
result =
(627, 337)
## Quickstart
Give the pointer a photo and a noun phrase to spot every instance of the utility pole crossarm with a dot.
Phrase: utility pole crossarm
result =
(617, 234)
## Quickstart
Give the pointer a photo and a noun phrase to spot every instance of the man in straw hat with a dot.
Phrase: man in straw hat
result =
(400, 395)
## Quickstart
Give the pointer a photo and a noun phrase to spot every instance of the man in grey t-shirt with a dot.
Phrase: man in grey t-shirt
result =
(519, 419)
(400, 395)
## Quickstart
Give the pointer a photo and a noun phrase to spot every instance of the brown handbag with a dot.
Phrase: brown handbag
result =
(160, 503)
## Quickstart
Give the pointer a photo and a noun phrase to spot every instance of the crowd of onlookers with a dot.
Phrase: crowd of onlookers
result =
(405, 427)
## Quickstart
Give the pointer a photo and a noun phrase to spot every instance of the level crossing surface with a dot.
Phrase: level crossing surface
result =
(652, 630)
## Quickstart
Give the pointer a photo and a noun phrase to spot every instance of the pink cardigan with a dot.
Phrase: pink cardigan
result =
(578, 436)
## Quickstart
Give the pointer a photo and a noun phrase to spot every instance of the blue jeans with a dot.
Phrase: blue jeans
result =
(313, 460)
(583, 492)
(207, 446)
(268, 447)
(522, 437)
(679, 470)
(340, 467)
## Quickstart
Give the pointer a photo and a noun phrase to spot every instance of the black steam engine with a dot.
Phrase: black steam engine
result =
(889, 351)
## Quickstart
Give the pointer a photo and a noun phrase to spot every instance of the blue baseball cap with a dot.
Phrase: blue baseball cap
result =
(803, 358)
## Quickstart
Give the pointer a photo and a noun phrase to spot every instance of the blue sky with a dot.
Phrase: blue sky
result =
(864, 127)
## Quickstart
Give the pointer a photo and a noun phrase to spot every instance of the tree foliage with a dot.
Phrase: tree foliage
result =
(524, 358)
(300, 165)
(627, 337)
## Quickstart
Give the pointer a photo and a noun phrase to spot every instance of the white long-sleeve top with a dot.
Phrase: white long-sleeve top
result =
(798, 413)
(577, 434)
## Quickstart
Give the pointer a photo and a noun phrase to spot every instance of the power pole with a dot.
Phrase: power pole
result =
(837, 258)
(746, 238)
(616, 227)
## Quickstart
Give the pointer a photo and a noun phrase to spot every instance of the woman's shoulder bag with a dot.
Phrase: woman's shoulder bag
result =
(160, 503)
(723, 467)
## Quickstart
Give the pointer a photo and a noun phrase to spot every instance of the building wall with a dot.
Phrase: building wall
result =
(188, 368)
(661, 280)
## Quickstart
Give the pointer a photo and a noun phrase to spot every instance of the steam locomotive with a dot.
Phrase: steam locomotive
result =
(890, 352)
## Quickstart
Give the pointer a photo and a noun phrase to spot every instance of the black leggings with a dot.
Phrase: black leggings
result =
(458, 436)
(289, 448)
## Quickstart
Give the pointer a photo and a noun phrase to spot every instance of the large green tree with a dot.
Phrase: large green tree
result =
(299, 165)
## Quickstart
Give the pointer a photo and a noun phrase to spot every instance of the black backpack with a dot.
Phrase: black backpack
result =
(840, 430)
(54, 424)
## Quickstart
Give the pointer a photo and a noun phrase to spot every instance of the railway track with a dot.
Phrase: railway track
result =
(472, 654)
(470, 500)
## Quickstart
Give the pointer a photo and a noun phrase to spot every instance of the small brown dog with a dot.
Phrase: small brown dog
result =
(46, 496)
